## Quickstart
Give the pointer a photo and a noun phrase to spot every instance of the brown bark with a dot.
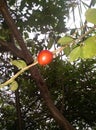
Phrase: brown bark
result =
(62, 122)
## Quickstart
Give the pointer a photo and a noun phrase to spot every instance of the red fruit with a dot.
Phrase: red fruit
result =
(45, 57)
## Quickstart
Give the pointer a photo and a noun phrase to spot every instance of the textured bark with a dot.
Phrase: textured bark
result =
(25, 54)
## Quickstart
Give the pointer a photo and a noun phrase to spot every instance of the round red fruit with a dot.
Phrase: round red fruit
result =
(45, 57)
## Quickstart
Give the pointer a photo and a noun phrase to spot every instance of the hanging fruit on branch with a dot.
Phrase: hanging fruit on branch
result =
(45, 57)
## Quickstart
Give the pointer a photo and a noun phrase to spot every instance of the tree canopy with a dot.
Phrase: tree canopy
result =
(57, 96)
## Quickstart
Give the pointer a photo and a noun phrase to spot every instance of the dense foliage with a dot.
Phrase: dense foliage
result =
(72, 86)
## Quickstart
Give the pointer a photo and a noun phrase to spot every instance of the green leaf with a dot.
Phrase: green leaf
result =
(75, 54)
(19, 63)
(68, 49)
(88, 50)
(13, 86)
(65, 40)
(91, 15)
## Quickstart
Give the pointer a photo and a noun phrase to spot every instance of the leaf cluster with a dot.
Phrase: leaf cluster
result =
(82, 47)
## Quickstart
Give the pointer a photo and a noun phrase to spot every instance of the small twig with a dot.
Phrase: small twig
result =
(82, 36)
(58, 50)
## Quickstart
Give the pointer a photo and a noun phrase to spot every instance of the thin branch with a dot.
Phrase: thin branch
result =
(85, 34)
(17, 74)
